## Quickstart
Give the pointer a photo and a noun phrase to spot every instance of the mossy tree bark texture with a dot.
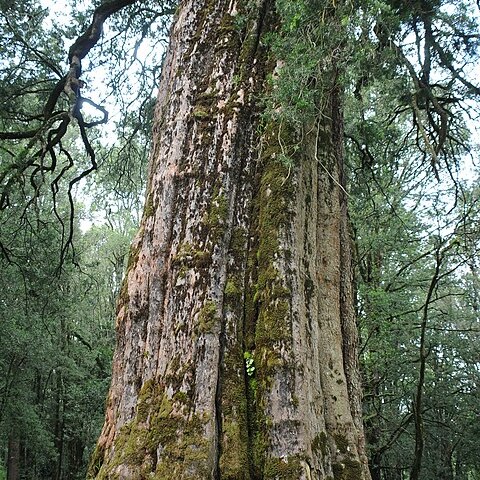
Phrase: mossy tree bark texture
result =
(236, 338)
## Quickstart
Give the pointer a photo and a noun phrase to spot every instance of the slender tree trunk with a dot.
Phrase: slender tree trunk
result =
(13, 460)
(375, 468)
(236, 337)
(460, 473)
(418, 400)
(59, 428)
(394, 473)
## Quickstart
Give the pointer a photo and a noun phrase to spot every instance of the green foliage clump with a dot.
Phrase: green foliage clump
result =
(249, 363)
(405, 241)
(57, 342)
(309, 48)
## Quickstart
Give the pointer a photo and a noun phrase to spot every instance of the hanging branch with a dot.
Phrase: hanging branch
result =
(54, 125)
(422, 90)
(38, 154)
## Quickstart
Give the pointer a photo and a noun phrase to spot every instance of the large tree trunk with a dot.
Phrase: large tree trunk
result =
(236, 338)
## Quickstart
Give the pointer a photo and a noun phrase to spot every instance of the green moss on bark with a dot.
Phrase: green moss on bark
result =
(149, 208)
(201, 113)
(123, 297)
(341, 442)
(231, 289)
(347, 470)
(234, 461)
(208, 317)
(217, 216)
(159, 444)
(271, 294)
(188, 256)
(320, 444)
(289, 468)
(267, 306)
(96, 462)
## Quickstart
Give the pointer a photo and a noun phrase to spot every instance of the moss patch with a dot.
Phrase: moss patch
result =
(201, 113)
(347, 470)
(341, 443)
(149, 208)
(188, 256)
(238, 244)
(283, 469)
(216, 217)
(268, 311)
(234, 463)
(96, 462)
(207, 317)
(234, 460)
(271, 294)
(231, 289)
(157, 429)
(133, 256)
(320, 445)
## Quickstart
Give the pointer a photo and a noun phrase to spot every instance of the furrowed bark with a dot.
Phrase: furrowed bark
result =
(235, 331)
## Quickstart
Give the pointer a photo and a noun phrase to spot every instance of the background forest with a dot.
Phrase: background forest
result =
(71, 197)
